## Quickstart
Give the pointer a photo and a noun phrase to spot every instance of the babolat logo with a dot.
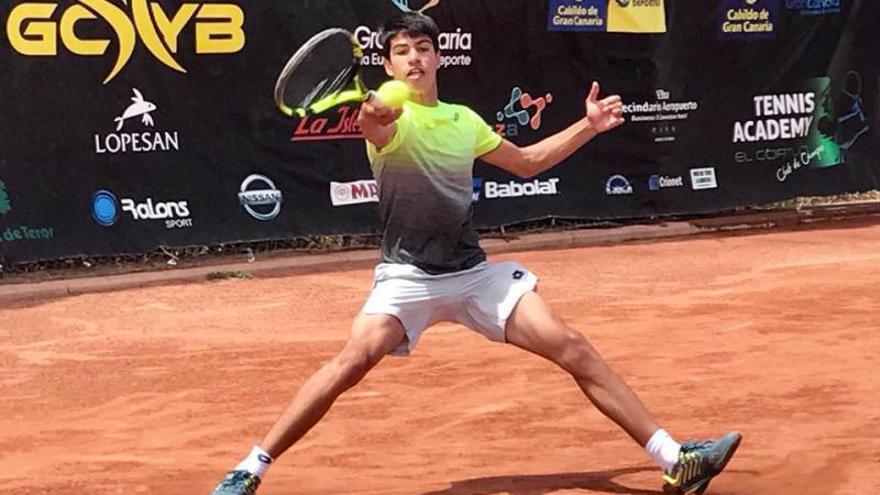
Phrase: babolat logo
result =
(105, 210)
(37, 29)
(512, 189)
(136, 142)
(657, 182)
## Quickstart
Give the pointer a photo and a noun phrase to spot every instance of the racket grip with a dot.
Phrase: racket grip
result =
(370, 96)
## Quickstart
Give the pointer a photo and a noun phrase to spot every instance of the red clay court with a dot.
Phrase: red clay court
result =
(161, 390)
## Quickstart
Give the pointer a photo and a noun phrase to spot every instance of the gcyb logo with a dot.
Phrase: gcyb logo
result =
(34, 29)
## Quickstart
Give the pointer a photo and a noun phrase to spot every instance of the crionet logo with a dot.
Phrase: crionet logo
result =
(36, 29)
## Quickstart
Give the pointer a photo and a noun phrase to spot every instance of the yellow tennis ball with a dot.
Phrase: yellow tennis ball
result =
(393, 93)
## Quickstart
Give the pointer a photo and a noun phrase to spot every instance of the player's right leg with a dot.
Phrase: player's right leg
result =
(372, 337)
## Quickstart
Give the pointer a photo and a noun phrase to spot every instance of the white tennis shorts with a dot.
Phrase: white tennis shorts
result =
(480, 298)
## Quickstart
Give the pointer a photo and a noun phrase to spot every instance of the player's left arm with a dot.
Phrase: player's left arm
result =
(601, 116)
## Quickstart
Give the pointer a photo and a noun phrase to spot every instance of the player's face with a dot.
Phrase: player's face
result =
(413, 60)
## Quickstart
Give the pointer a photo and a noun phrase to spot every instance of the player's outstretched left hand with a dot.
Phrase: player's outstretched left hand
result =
(604, 114)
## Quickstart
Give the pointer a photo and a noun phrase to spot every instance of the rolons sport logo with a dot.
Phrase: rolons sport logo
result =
(260, 198)
(106, 210)
(35, 29)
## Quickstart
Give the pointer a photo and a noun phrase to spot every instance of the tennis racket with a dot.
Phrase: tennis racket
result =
(322, 74)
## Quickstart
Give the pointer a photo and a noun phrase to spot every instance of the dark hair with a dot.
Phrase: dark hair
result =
(411, 24)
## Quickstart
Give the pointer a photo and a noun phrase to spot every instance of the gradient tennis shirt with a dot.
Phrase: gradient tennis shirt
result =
(426, 187)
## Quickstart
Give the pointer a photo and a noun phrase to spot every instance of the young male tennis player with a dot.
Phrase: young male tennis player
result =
(433, 269)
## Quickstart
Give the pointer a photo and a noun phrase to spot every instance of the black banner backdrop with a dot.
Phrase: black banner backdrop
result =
(128, 125)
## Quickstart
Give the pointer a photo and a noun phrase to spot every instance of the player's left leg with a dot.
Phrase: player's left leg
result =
(689, 468)
(533, 326)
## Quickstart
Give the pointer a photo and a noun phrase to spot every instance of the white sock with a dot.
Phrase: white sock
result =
(663, 449)
(257, 462)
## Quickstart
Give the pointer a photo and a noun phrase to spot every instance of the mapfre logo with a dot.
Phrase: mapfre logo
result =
(37, 29)
(354, 193)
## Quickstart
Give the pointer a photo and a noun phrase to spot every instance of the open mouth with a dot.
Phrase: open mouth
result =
(415, 73)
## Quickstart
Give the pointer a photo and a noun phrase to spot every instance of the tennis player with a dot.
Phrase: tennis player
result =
(433, 268)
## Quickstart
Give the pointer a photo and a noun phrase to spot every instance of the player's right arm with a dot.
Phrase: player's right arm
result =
(378, 123)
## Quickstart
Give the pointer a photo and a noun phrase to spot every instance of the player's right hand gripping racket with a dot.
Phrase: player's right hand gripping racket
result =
(322, 74)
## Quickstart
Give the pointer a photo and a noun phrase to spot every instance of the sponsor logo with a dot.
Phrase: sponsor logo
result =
(455, 47)
(354, 193)
(663, 113)
(518, 274)
(777, 117)
(5, 202)
(618, 185)
(802, 160)
(478, 188)
(657, 182)
(747, 19)
(23, 232)
(487, 189)
(768, 154)
(106, 210)
(703, 178)
(516, 113)
(808, 118)
(339, 125)
(405, 6)
(613, 16)
(37, 29)
(513, 189)
(137, 142)
(814, 7)
(260, 198)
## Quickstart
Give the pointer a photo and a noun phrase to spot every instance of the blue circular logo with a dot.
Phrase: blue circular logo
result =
(105, 208)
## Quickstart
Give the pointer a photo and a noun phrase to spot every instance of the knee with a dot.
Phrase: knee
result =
(352, 364)
(579, 358)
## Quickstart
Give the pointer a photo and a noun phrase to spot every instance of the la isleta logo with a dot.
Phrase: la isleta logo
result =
(42, 29)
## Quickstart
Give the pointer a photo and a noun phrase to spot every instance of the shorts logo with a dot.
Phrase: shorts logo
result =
(518, 275)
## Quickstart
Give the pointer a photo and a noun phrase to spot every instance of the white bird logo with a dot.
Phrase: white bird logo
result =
(138, 108)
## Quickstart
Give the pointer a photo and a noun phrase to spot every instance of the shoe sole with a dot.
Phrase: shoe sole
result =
(701, 488)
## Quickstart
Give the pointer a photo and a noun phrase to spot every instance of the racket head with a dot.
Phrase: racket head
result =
(323, 73)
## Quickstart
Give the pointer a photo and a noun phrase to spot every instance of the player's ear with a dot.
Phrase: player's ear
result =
(387, 64)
